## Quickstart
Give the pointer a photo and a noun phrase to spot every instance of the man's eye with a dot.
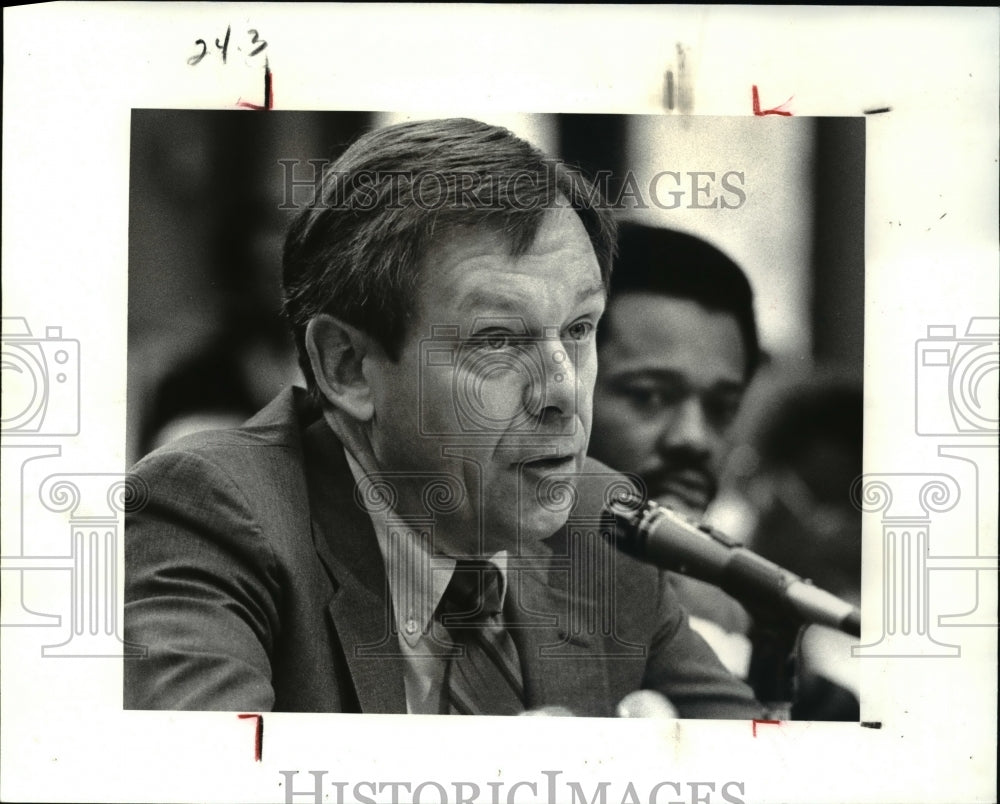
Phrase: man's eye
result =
(494, 341)
(581, 330)
(721, 410)
(649, 398)
(651, 395)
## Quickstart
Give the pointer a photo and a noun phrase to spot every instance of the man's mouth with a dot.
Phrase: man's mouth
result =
(550, 463)
(689, 489)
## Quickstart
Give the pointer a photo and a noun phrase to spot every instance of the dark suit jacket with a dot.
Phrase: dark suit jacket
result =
(256, 582)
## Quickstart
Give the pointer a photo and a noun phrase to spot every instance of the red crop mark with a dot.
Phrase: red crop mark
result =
(776, 110)
(268, 93)
(258, 740)
(764, 722)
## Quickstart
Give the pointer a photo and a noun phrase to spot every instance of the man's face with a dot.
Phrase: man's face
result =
(671, 379)
(494, 382)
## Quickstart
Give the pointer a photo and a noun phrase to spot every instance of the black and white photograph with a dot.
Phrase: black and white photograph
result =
(254, 586)
(621, 379)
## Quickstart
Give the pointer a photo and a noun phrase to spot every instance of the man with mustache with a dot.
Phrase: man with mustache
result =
(677, 348)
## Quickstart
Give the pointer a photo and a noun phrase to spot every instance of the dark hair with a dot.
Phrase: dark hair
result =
(830, 410)
(672, 263)
(357, 252)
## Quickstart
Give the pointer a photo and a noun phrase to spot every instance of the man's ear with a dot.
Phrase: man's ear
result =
(336, 351)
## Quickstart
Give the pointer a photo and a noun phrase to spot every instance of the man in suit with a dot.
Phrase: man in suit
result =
(419, 531)
(677, 349)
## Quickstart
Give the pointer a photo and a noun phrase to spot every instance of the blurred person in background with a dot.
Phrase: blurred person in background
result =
(220, 385)
(788, 495)
(207, 344)
(677, 348)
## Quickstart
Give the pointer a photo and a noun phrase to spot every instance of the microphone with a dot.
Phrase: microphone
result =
(663, 537)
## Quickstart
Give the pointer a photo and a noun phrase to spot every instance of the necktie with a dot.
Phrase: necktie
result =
(485, 679)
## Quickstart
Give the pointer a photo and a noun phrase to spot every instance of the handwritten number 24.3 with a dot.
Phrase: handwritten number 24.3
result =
(222, 45)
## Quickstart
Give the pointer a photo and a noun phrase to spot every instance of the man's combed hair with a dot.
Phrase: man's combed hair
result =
(672, 263)
(357, 252)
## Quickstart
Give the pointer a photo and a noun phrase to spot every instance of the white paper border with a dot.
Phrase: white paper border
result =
(73, 73)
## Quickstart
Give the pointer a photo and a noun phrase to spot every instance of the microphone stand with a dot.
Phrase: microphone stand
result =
(774, 662)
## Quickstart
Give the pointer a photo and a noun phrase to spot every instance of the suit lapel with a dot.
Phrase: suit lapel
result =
(360, 609)
(560, 657)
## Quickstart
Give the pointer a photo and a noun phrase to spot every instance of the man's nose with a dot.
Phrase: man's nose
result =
(687, 427)
(554, 385)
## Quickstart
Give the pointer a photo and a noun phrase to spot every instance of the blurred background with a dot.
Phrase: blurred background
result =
(784, 197)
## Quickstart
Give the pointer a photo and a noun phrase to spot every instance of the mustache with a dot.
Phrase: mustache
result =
(682, 462)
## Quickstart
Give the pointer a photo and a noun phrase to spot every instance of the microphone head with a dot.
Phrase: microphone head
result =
(646, 703)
